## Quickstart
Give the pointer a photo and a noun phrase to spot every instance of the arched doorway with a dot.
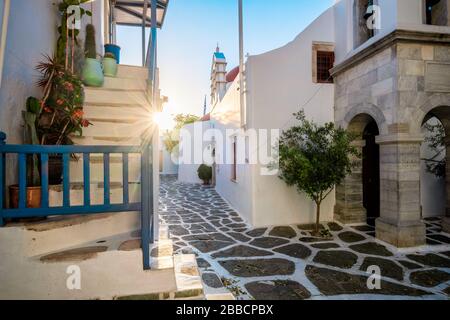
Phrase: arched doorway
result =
(358, 197)
(435, 169)
(371, 173)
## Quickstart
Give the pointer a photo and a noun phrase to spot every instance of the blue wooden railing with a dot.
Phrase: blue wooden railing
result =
(145, 206)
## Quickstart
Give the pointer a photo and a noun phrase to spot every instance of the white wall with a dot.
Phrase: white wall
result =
(169, 166)
(32, 32)
(238, 193)
(279, 83)
(190, 135)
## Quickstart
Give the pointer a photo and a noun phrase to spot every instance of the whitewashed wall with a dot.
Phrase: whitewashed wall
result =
(238, 193)
(279, 83)
(187, 170)
(32, 32)
(169, 163)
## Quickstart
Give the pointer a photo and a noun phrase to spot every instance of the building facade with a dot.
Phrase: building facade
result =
(377, 68)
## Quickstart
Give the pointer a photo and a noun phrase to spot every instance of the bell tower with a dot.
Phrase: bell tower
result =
(218, 76)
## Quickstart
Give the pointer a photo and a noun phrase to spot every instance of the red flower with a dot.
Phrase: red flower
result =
(85, 123)
(68, 86)
(78, 114)
(60, 102)
(48, 109)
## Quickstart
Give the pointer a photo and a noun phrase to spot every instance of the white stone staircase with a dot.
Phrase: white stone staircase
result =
(40, 253)
(120, 113)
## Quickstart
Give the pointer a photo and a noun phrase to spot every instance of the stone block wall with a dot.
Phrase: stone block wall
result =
(397, 85)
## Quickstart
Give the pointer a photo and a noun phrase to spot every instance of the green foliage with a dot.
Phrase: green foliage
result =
(62, 29)
(61, 108)
(315, 158)
(205, 173)
(170, 140)
(90, 44)
(183, 119)
(436, 142)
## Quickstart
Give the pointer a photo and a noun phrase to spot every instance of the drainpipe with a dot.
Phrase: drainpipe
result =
(5, 19)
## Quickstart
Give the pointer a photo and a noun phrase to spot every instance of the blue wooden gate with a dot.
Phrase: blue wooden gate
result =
(145, 206)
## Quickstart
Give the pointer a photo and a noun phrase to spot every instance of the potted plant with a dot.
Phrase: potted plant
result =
(33, 189)
(114, 49)
(92, 70)
(109, 65)
(205, 174)
(61, 112)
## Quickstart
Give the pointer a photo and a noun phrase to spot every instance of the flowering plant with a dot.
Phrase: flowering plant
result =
(61, 115)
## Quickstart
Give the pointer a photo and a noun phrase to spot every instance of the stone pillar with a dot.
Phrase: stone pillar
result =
(349, 206)
(446, 221)
(400, 223)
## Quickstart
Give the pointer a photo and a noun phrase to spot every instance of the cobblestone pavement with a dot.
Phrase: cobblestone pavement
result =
(286, 262)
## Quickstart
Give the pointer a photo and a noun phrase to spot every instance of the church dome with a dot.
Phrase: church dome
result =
(231, 76)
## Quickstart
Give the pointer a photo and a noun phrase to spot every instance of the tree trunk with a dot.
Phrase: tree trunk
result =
(317, 216)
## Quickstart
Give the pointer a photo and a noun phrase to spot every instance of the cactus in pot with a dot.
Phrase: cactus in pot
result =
(92, 70)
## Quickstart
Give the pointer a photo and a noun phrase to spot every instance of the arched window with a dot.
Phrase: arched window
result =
(362, 12)
(436, 12)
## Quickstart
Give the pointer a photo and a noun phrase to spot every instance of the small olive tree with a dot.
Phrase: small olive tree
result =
(436, 141)
(315, 158)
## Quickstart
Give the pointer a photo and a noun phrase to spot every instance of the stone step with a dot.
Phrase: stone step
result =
(97, 192)
(116, 167)
(187, 279)
(125, 83)
(107, 141)
(133, 72)
(107, 96)
(105, 129)
(100, 112)
(108, 275)
(59, 233)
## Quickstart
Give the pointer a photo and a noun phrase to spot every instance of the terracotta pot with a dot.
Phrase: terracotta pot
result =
(33, 197)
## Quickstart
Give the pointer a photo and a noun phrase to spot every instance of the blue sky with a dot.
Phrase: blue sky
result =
(194, 27)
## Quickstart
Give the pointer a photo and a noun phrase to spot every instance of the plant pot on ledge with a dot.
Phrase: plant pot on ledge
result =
(33, 201)
(33, 197)
(93, 73)
(92, 70)
(110, 67)
(115, 50)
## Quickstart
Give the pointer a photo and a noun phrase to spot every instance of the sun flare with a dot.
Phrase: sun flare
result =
(164, 120)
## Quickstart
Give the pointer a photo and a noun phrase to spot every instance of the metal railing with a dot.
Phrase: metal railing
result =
(145, 206)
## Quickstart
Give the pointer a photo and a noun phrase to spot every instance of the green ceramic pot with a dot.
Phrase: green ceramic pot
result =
(93, 73)
(110, 67)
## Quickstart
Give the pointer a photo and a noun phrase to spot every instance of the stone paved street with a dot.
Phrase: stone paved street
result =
(286, 262)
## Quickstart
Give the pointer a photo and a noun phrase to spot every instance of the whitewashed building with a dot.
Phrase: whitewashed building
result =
(378, 68)
(38, 257)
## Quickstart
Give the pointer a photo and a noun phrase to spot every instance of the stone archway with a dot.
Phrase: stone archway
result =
(442, 113)
(358, 197)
